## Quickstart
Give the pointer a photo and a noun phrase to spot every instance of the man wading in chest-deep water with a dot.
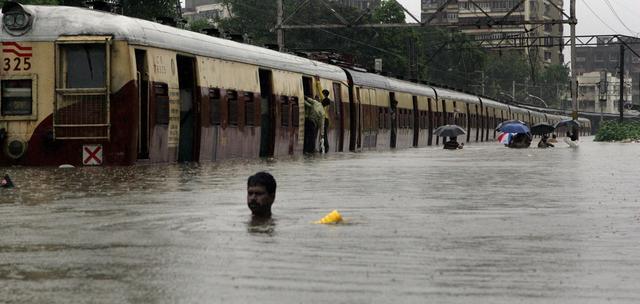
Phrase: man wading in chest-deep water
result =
(261, 192)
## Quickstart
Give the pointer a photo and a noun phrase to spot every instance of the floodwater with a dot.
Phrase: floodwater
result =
(486, 224)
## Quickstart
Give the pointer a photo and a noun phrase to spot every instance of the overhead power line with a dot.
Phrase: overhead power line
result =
(597, 16)
(618, 17)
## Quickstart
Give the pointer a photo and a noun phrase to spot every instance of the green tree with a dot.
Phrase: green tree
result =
(389, 12)
(555, 80)
(502, 69)
(148, 9)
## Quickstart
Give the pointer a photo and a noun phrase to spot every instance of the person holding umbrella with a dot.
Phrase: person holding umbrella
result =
(452, 144)
(451, 131)
(544, 142)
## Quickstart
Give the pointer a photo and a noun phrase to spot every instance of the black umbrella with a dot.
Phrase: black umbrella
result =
(568, 123)
(506, 122)
(542, 128)
(449, 131)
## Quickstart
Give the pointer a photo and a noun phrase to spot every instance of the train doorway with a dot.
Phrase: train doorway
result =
(393, 108)
(416, 122)
(143, 104)
(339, 110)
(310, 128)
(267, 114)
(189, 114)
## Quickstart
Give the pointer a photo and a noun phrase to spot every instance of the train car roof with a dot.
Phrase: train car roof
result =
(52, 22)
(493, 103)
(410, 87)
(391, 84)
(455, 95)
(518, 109)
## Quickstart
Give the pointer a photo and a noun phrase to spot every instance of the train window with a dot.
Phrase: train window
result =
(161, 93)
(284, 111)
(232, 102)
(16, 98)
(295, 112)
(249, 109)
(84, 65)
(214, 99)
(380, 118)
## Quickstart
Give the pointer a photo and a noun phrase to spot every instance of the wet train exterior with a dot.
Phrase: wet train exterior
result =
(85, 87)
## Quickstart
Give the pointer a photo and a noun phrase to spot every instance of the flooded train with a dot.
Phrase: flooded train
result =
(86, 87)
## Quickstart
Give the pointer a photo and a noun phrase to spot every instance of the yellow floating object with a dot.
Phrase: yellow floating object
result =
(332, 218)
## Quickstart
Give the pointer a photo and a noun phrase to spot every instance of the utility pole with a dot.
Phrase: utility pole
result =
(574, 77)
(621, 101)
(279, 27)
(482, 82)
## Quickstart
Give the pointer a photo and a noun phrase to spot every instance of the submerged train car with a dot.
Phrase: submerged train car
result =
(87, 87)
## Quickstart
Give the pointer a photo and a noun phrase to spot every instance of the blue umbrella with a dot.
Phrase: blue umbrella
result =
(514, 128)
(506, 122)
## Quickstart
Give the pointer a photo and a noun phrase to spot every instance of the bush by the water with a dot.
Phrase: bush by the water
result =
(616, 131)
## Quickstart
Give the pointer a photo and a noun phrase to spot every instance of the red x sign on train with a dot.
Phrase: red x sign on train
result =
(92, 155)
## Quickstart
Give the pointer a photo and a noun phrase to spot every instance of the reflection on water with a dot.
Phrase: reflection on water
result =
(266, 225)
(485, 224)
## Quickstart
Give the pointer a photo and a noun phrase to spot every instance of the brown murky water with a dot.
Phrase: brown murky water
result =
(485, 224)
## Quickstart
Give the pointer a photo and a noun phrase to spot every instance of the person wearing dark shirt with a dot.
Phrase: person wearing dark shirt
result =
(452, 144)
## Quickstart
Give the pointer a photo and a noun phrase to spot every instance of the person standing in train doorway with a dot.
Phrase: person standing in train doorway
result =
(261, 192)
(325, 104)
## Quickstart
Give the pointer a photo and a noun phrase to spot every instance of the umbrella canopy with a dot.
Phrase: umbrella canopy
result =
(449, 131)
(542, 128)
(514, 128)
(505, 138)
(506, 122)
(568, 123)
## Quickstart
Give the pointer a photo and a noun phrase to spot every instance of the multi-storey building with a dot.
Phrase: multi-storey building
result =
(360, 4)
(210, 10)
(606, 57)
(466, 12)
(596, 95)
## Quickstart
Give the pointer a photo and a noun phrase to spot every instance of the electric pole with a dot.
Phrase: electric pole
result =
(621, 101)
(574, 77)
(279, 28)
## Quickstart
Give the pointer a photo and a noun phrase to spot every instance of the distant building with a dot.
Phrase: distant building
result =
(473, 12)
(605, 57)
(210, 10)
(359, 4)
(191, 5)
(589, 92)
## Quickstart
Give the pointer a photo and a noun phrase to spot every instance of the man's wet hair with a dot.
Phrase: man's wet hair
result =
(263, 179)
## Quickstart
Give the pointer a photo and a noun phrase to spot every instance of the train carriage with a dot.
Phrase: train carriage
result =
(413, 112)
(86, 87)
(122, 90)
(498, 112)
(459, 108)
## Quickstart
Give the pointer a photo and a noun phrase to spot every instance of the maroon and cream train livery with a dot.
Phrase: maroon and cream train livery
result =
(86, 87)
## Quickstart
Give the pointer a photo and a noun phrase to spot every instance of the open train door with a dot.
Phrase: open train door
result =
(416, 122)
(267, 114)
(393, 108)
(143, 103)
(188, 149)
